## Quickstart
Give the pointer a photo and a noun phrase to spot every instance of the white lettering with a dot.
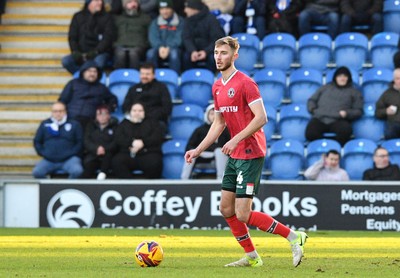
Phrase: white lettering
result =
(104, 200)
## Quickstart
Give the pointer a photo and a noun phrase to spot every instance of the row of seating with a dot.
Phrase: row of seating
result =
(316, 50)
(287, 158)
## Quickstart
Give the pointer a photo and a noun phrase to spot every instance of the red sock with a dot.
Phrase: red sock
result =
(267, 224)
(241, 233)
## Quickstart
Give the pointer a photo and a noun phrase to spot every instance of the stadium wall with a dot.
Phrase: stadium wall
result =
(145, 204)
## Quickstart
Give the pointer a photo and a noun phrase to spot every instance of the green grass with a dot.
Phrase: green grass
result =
(109, 253)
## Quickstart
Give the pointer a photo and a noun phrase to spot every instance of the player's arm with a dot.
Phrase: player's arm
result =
(217, 127)
(259, 120)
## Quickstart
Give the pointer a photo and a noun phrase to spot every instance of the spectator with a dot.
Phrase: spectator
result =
(320, 12)
(361, 12)
(139, 141)
(249, 17)
(84, 94)
(59, 141)
(153, 94)
(383, 170)
(222, 9)
(327, 168)
(132, 41)
(99, 144)
(387, 105)
(179, 6)
(282, 16)
(165, 36)
(212, 156)
(334, 106)
(200, 30)
(91, 35)
(148, 7)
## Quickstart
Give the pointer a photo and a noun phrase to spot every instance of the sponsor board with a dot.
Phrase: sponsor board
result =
(185, 206)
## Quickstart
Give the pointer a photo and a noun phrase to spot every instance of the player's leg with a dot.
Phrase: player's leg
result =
(238, 228)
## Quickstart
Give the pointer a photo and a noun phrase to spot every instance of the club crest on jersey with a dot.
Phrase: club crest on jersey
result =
(231, 92)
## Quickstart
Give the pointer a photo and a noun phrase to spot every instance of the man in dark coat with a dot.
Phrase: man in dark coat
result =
(84, 94)
(200, 31)
(91, 35)
(383, 170)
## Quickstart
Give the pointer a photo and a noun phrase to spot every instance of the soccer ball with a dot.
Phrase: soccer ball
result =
(149, 253)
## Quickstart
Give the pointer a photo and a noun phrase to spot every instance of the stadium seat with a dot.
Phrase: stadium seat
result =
(278, 50)
(272, 85)
(375, 82)
(391, 16)
(315, 50)
(170, 78)
(368, 126)
(293, 121)
(354, 76)
(185, 118)
(196, 86)
(173, 158)
(316, 148)
(357, 157)
(103, 79)
(303, 83)
(249, 51)
(351, 50)
(270, 127)
(393, 147)
(286, 159)
(383, 47)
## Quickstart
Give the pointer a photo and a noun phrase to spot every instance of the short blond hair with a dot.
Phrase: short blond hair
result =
(230, 41)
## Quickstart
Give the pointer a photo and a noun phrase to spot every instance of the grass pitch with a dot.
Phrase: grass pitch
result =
(187, 253)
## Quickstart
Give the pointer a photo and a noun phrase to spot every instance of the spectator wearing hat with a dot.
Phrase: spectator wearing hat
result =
(99, 144)
(200, 31)
(132, 40)
(91, 35)
(59, 140)
(333, 107)
(165, 36)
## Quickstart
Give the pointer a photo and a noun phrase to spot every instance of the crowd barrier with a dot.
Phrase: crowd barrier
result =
(194, 204)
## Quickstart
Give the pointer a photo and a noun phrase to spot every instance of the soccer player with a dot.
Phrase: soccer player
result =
(239, 107)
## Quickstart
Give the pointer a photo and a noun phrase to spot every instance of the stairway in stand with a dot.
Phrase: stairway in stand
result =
(33, 38)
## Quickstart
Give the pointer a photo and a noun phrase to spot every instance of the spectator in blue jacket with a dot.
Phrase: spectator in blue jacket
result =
(84, 94)
(165, 36)
(59, 140)
(91, 35)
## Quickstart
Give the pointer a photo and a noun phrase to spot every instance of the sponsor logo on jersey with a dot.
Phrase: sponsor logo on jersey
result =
(223, 109)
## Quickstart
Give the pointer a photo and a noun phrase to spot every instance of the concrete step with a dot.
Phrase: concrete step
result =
(24, 99)
(36, 89)
(30, 63)
(16, 172)
(34, 54)
(39, 19)
(26, 116)
(17, 150)
(27, 161)
(47, 7)
(32, 77)
(32, 42)
(34, 29)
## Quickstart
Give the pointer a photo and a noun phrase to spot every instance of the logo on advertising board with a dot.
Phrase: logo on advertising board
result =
(70, 208)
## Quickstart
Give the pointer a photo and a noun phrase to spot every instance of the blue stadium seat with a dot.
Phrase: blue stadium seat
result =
(270, 127)
(393, 147)
(316, 148)
(391, 16)
(354, 76)
(286, 159)
(303, 83)
(185, 118)
(351, 50)
(375, 82)
(173, 158)
(103, 79)
(272, 85)
(170, 78)
(357, 157)
(196, 86)
(368, 126)
(383, 47)
(249, 51)
(315, 50)
(278, 50)
(293, 121)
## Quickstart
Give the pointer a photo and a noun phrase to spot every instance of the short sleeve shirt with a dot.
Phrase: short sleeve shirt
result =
(233, 98)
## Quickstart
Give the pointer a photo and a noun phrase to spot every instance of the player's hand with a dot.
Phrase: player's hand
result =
(190, 155)
(229, 147)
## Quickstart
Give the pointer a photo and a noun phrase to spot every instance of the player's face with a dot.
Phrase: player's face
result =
(224, 57)
(332, 160)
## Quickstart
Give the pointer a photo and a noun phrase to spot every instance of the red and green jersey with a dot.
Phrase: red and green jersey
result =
(233, 98)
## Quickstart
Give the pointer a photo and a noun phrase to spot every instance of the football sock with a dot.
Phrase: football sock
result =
(268, 224)
(253, 255)
(241, 233)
